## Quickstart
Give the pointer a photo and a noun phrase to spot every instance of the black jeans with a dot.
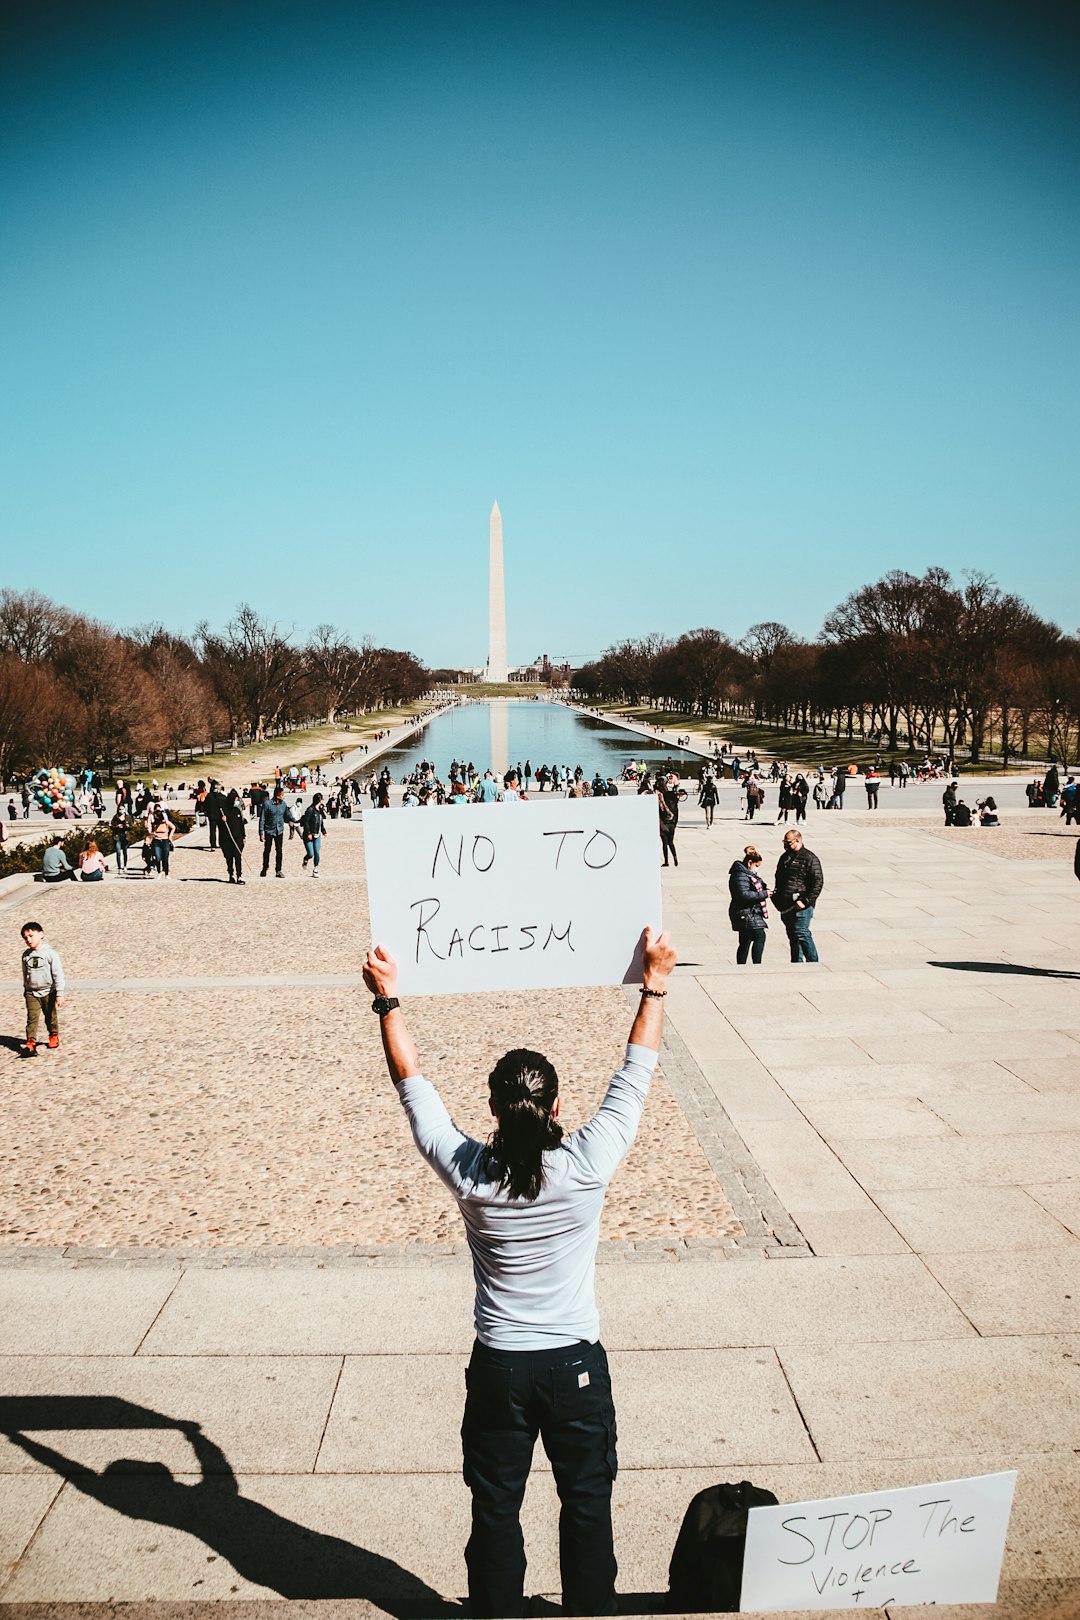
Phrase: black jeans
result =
(751, 944)
(564, 1395)
(276, 840)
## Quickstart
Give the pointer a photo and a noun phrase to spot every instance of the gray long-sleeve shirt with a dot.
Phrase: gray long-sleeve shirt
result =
(533, 1262)
(42, 970)
(54, 861)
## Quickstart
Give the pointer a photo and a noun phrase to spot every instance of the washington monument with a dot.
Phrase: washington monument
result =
(496, 663)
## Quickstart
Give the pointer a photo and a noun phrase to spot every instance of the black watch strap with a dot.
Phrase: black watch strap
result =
(384, 1004)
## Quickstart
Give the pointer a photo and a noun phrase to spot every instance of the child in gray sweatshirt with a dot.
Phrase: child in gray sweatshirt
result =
(43, 986)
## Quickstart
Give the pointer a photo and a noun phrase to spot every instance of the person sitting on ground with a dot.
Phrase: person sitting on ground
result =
(961, 815)
(55, 866)
(988, 813)
(92, 867)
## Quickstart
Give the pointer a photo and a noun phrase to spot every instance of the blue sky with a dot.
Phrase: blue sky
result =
(731, 307)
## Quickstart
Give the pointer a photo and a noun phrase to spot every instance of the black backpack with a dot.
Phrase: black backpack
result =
(705, 1574)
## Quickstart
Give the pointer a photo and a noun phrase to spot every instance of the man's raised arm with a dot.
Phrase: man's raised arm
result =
(380, 976)
(658, 960)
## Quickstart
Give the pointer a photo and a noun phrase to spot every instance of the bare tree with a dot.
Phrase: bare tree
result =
(252, 666)
(30, 625)
(335, 668)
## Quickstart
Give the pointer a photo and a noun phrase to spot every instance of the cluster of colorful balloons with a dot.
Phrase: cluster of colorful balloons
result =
(53, 789)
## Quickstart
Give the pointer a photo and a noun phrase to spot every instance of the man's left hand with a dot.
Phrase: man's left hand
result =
(380, 972)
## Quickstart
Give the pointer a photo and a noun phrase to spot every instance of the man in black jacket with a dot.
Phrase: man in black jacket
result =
(214, 806)
(799, 881)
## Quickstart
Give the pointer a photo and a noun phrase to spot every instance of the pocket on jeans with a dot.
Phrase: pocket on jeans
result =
(582, 1388)
(487, 1398)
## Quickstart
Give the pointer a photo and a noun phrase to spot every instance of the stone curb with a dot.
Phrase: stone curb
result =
(768, 1228)
(344, 1256)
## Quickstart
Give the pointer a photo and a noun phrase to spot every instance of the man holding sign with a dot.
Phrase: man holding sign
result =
(531, 1201)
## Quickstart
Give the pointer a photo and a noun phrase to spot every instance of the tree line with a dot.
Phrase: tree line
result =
(75, 690)
(917, 662)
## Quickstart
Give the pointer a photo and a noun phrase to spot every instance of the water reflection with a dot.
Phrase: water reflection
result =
(499, 751)
(519, 731)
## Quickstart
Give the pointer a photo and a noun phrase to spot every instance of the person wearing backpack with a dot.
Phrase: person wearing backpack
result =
(531, 1200)
(313, 825)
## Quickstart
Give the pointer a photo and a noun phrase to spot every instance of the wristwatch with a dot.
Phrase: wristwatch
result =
(384, 1004)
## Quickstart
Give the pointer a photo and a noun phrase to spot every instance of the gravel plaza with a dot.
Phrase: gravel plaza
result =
(844, 1253)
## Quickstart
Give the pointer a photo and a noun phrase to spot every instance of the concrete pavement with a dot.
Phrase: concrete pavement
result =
(911, 1105)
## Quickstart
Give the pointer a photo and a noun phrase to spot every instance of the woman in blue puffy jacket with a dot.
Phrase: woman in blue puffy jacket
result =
(749, 907)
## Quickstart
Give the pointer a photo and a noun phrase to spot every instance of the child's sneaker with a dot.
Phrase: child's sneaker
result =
(54, 1041)
(29, 1049)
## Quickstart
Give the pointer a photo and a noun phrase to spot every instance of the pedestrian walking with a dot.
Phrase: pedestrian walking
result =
(872, 782)
(214, 807)
(1051, 786)
(800, 792)
(313, 826)
(531, 1201)
(798, 884)
(161, 827)
(233, 836)
(749, 905)
(668, 825)
(121, 828)
(708, 798)
(43, 987)
(272, 831)
(755, 796)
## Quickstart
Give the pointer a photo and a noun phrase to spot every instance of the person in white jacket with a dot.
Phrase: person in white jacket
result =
(531, 1200)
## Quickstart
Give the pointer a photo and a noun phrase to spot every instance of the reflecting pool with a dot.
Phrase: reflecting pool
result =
(518, 731)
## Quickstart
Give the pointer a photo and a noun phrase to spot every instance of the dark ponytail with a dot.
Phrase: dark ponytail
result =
(524, 1087)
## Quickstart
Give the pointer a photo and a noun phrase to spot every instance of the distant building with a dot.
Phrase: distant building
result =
(542, 670)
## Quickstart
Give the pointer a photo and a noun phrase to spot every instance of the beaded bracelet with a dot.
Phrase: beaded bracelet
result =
(657, 994)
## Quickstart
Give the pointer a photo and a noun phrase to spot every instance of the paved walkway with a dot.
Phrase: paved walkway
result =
(908, 1110)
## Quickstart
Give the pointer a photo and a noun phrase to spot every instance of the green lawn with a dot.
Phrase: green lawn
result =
(502, 689)
(794, 746)
(310, 746)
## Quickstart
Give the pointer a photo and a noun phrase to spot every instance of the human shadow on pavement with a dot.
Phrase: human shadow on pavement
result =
(1007, 967)
(261, 1546)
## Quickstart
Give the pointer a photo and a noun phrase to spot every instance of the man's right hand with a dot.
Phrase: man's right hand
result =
(658, 958)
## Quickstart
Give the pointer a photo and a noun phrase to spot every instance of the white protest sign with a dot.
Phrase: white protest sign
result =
(919, 1544)
(514, 896)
